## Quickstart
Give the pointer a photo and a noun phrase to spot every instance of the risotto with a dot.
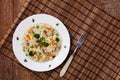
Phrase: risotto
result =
(41, 42)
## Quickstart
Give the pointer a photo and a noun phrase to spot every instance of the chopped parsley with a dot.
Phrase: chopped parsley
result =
(36, 35)
(37, 26)
(64, 46)
(39, 53)
(49, 65)
(23, 49)
(31, 53)
(32, 46)
(42, 39)
(45, 44)
(57, 24)
(26, 54)
(17, 38)
(56, 34)
(57, 39)
(25, 60)
(33, 20)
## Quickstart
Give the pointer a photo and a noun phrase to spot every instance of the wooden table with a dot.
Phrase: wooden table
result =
(8, 14)
(8, 11)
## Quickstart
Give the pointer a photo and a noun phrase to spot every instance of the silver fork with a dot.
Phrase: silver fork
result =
(79, 43)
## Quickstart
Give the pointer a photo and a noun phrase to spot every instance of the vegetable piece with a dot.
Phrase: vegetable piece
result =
(32, 38)
(57, 39)
(51, 54)
(32, 46)
(25, 60)
(32, 49)
(45, 44)
(33, 20)
(64, 46)
(28, 36)
(40, 44)
(36, 35)
(42, 39)
(39, 53)
(37, 26)
(47, 41)
(47, 27)
(57, 24)
(52, 46)
(57, 34)
(31, 53)
(17, 38)
(39, 57)
(29, 30)
(26, 54)
(49, 65)
(52, 41)
(24, 49)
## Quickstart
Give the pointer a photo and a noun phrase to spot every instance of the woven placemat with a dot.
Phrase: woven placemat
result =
(99, 56)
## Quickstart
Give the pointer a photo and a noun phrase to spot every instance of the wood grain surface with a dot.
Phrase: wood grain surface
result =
(8, 11)
(8, 14)
(9, 70)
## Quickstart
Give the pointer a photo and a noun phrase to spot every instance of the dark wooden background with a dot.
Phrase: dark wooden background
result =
(8, 12)
(10, 8)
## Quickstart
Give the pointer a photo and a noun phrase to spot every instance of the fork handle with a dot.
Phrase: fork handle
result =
(64, 69)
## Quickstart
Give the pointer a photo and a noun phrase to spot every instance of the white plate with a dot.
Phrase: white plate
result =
(17, 44)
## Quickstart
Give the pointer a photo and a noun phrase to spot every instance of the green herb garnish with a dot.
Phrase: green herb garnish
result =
(25, 60)
(57, 24)
(23, 49)
(26, 54)
(39, 53)
(31, 53)
(64, 46)
(17, 38)
(42, 39)
(33, 20)
(36, 35)
(57, 39)
(49, 65)
(37, 26)
(32, 46)
(45, 44)
(56, 34)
